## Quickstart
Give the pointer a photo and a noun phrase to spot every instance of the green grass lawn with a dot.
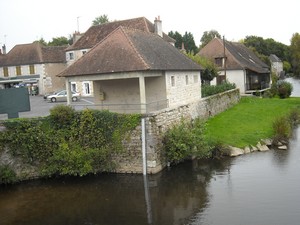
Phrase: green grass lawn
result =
(249, 121)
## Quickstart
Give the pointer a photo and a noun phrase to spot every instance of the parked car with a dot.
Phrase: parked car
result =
(61, 96)
(50, 93)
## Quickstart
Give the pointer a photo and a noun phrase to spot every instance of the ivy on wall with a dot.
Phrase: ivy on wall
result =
(69, 142)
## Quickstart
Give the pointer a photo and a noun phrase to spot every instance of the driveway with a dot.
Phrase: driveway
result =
(40, 107)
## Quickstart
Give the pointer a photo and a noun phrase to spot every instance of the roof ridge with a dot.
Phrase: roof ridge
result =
(132, 45)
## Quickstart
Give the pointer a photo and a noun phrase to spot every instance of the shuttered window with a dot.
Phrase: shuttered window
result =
(18, 70)
(31, 69)
(5, 72)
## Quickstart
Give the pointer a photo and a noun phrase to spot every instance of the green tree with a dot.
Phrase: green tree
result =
(208, 36)
(42, 41)
(100, 20)
(177, 37)
(58, 41)
(210, 70)
(189, 43)
(295, 53)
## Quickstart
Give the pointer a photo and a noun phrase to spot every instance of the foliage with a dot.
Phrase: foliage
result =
(186, 140)
(177, 37)
(295, 54)
(187, 39)
(283, 126)
(208, 90)
(284, 89)
(208, 36)
(210, 69)
(7, 175)
(100, 20)
(59, 41)
(62, 116)
(68, 142)
(249, 121)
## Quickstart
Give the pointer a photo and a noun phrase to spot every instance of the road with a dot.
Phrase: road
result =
(40, 107)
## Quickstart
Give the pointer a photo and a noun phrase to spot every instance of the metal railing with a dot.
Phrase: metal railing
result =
(123, 107)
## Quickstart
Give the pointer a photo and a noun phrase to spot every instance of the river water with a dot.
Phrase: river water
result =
(261, 188)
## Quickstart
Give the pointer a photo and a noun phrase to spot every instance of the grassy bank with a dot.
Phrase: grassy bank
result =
(249, 121)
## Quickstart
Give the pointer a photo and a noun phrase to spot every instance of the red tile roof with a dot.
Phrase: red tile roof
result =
(125, 50)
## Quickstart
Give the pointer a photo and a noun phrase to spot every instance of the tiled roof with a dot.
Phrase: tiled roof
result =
(95, 34)
(34, 53)
(126, 50)
(274, 58)
(238, 55)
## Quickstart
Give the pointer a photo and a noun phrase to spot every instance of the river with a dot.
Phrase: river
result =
(261, 188)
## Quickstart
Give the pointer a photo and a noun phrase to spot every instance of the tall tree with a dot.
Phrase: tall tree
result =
(100, 20)
(295, 53)
(177, 37)
(208, 36)
(189, 43)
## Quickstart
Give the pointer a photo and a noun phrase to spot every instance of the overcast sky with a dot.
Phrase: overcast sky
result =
(24, 21)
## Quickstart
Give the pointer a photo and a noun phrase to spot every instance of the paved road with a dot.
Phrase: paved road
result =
(40, 107)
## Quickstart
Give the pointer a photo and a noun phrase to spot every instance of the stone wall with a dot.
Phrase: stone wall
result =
(159, 122)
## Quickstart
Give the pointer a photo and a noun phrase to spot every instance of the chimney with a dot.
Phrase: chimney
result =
(158, 26)
(76, 36)
(4, 49)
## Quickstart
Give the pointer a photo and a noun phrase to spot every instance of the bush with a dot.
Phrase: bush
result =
(186, 140)
(62, 116)
(208, 90)
(7, 175)
(284, 89)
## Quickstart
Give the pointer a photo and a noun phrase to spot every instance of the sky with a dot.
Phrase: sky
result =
(24, 21)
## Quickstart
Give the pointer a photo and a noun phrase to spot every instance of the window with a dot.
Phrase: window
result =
(186, 79)
(86, 88)
(18, 70)
(196, 78)
(73, 87)
(172, 81)
(5, 71)
(219, 61)
(71, 55)
(31, 69)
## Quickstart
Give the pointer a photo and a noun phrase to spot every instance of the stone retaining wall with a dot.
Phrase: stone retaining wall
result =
(157, 123)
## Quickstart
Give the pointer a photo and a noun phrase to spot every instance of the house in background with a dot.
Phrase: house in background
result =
(96, 34)
(133, 70)
(33, 65)
(276, 65)
(238, 64)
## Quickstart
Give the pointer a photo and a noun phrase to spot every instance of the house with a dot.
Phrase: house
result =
(96, 34)
(276, 65)
(136, 71)
(238, 64)
(33, 65)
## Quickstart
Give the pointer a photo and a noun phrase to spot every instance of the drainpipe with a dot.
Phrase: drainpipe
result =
(144, 154)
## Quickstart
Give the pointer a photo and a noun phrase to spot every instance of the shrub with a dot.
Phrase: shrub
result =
(284, 89)
(62, 116)
(185, 140)
(282, 129)
(208, 90)
(7, 175)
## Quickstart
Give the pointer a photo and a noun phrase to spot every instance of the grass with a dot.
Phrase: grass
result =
(249, 121)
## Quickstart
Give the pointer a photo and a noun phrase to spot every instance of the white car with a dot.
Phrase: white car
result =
(61, 96)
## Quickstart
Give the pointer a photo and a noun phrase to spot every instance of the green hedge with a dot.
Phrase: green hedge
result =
(69, 142)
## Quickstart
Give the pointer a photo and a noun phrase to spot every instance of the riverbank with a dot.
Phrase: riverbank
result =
(248, 122)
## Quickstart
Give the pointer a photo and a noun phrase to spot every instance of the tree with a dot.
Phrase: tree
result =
(189, 43)
(177, 37)
(208, 36)
(210, 69)
(295, 53)
(41, 41)
(100, 20)
(59, 41)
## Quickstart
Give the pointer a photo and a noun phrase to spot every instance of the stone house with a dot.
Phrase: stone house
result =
(136, 71)
(95, 34)
(276, 65)
(238, 64)
(33, 65)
